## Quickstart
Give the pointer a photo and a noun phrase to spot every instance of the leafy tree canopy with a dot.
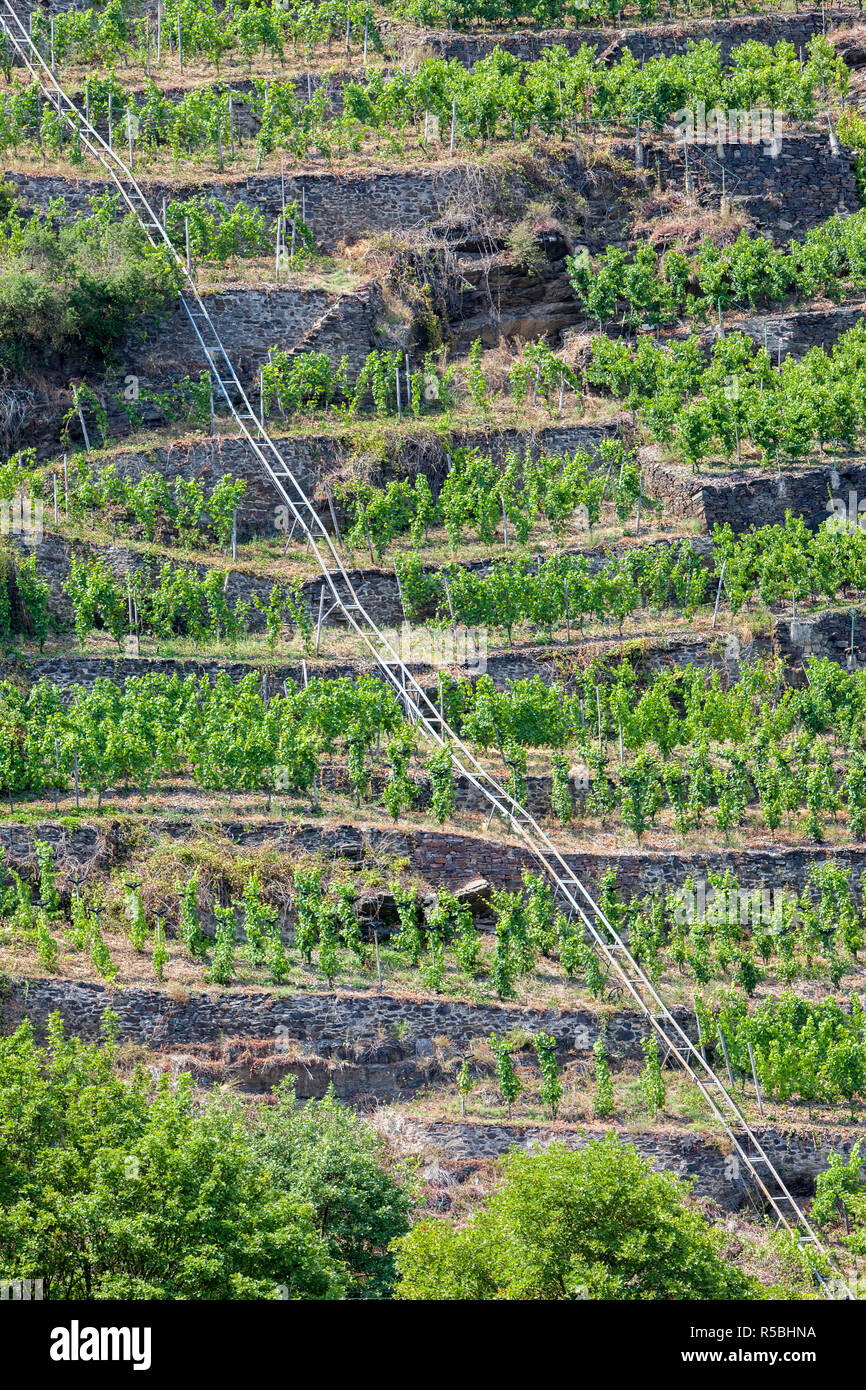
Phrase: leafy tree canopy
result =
(122, 1188)
(598, 1223)
(325, 1156)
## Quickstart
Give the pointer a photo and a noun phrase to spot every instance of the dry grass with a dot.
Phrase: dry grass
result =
(257, 272)
(266, 556)
(673, 220)
(175, 832)
(379, 153)
(644, 635)
(355, 433)
(197, 72)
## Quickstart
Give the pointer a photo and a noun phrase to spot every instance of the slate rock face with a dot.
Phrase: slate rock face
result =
(475, 894)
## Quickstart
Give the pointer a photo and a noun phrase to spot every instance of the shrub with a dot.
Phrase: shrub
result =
(65, 283)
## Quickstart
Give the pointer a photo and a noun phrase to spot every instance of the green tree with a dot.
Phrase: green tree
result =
(504, 967)
(324, 1156)
(593, 973)
(433, 969)
(49, 898)
(100, 956)
(46, 946)
(399, 792)
(276, 961)
(410, 937)
(308, 908)
(35, 593)
(259, 917)
(133, 1189)
(598, 1222)
(747, 974)
(453, 920)
(602, 796)
(540, 912)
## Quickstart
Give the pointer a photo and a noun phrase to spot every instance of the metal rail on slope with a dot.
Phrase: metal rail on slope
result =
(419, 706)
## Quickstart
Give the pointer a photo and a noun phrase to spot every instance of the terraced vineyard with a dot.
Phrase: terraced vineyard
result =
(431, 596)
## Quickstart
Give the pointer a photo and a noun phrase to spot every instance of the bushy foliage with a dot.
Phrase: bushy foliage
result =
(598, 1223)
(79, 281)
(115, 1188)
(323, 1155)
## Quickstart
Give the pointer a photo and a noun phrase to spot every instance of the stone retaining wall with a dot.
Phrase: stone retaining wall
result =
(643, 42)
(792, 334)
(154, 1018)
(826, 635)
(829, 636)
(376, 589)
(340, 208)
(709, 1162)
(249, 322)
(798, 188)
(787, 333)
(755, 496)
(782, 194)
(657, 653)
(449, 857)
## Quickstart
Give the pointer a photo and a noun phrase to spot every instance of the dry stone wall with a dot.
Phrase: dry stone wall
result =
(789, 333)
(656, 654)
(154, 1018)
(314, 459)
(449, 858)
(377, 590)
(753, 497)
(786, 194)
(839, 637)
(339, 208)
(643, 42)
(249, 322)
(782, 194)
(798, 1158)
(792, 334)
